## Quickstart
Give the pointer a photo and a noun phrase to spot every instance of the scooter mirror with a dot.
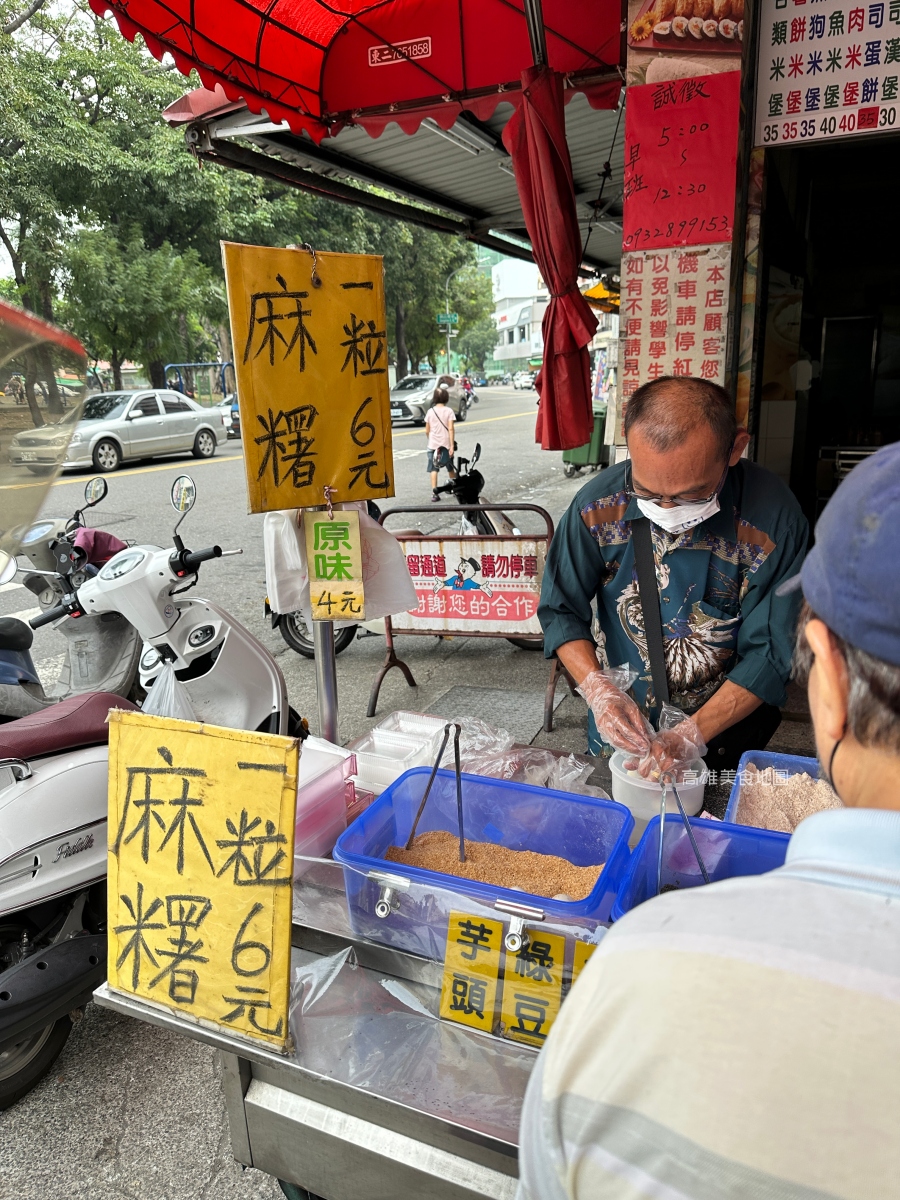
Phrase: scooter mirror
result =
(184, 493)
(475, 457)
(94, 491)
(8, 569)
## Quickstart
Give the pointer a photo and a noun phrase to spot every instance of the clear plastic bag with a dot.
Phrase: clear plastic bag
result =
(169, 697)
(476, 740)
(622, 676)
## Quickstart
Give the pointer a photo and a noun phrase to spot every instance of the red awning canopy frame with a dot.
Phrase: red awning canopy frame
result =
(321, 66)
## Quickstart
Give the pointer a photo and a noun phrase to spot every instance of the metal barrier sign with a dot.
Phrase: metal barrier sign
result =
(310, 346)
(201, 857)
(484, 585)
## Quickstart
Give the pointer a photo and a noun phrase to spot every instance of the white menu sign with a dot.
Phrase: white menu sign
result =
(673, 314)
(826, 69)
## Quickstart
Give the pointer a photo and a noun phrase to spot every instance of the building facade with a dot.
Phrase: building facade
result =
(520, 300)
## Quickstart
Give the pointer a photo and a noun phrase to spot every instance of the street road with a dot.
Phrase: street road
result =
(130, 1111)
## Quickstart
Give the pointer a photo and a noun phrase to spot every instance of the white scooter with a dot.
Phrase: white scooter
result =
(231, 678)
(53, 788)
(101, 653)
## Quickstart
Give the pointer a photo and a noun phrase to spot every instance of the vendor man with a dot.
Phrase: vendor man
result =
(725, 533)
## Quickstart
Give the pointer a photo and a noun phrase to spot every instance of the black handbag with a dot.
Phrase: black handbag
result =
(755, 730)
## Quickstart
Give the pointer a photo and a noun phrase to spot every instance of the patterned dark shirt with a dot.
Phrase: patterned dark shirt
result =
(721, 617)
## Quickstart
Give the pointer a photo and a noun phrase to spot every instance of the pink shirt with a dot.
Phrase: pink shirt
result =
(438, 421)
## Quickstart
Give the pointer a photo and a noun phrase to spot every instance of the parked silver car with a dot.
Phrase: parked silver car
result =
(412, 397)
(116, 426)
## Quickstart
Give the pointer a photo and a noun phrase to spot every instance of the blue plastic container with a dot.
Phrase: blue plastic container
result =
(794, 764)
(584, 830)
(727, 851)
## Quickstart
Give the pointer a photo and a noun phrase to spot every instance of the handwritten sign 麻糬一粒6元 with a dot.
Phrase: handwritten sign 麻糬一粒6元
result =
(201, 827)
(310, 345)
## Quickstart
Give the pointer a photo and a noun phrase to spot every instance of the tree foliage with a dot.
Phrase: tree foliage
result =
(129, 302)
(477, 343)
(110, 226)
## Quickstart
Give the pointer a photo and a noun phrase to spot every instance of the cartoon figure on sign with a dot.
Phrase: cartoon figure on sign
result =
(464, 579)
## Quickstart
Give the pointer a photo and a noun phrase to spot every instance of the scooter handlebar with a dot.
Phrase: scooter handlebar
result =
(194, 558)
(50, 615)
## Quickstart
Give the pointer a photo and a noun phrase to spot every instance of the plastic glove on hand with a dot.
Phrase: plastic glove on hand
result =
(619, 720)
(678, 744)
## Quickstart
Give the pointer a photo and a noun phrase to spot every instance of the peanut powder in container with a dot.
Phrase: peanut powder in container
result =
(540, 874)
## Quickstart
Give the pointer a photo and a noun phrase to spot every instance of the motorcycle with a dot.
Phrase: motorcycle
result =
(53, 786)
(102, 653)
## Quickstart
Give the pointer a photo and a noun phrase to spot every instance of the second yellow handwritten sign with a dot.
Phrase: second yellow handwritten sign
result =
(310, 348)
(201, 827)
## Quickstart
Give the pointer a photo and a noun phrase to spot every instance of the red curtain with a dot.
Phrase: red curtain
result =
(535, 136)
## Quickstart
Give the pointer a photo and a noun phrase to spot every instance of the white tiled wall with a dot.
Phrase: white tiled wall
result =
(775, 436)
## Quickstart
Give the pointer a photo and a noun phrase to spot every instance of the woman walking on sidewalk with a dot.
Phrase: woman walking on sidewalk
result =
(439, 429)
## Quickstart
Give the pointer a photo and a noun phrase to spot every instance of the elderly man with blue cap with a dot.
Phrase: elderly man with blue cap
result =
(743, 1039)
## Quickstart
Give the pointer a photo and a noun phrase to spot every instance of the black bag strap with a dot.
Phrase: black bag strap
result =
(648, 589)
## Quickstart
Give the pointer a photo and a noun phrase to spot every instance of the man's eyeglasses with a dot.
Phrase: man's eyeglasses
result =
(678, 501)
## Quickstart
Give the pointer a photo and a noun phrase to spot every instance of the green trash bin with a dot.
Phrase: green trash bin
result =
(593, 454)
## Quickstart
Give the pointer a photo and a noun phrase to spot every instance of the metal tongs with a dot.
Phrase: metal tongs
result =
(668, 781)
(457, 728)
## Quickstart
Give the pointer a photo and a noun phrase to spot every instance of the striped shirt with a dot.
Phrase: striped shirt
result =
(735, 1042)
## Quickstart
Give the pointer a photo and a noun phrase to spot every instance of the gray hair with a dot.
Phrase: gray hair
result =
(873, 703)
(668, 409)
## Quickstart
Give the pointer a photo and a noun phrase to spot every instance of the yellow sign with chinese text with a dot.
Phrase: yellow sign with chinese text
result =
(583, 952)
(532, 989)
(201, 853)
(310, 349)
(471, 978)
(334, 561)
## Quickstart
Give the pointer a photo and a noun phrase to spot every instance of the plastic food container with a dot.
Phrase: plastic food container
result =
(582, 829)
(358, 800)
(418, 724)
(321, 799)
(794, 764)
(642, 796)
(727, 851)
(383, 755)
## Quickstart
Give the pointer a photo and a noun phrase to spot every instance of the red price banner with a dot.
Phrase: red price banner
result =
(680, 161)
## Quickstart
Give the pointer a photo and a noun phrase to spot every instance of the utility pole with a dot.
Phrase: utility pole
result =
(447, 307)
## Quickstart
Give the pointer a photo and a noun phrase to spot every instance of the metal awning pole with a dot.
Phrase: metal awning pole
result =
(534, 18)
(326, 679)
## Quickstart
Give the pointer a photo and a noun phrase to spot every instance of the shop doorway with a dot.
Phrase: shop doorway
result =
(827, 385)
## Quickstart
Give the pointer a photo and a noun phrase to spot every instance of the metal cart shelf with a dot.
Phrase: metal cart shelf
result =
(336, 1120)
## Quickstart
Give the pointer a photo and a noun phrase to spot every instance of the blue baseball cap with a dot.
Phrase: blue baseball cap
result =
(851, 577)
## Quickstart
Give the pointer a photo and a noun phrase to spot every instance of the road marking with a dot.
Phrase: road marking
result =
(408, 453)
(461, 426)
(25, 615)
(10, 587)
(197, 462)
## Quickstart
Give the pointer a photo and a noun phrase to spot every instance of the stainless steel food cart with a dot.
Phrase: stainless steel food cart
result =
(379, 1100)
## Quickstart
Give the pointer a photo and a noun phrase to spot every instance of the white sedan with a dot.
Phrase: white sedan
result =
(116, 426)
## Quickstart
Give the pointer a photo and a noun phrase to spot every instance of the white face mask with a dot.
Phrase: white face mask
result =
(680, 518)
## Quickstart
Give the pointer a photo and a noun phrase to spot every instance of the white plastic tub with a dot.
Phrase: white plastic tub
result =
(321, 799)
(383, 756)
(642, 796)
(415, 723)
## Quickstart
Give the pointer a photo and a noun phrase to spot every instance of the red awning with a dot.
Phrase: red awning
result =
(536, 138)
(319, 66)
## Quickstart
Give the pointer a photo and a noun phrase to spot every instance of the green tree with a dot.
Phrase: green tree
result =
(477, 343)
(130, 302)
(83, 147)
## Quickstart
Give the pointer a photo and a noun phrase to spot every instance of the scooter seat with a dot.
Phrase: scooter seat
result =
(78, 721)
(15, 634)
